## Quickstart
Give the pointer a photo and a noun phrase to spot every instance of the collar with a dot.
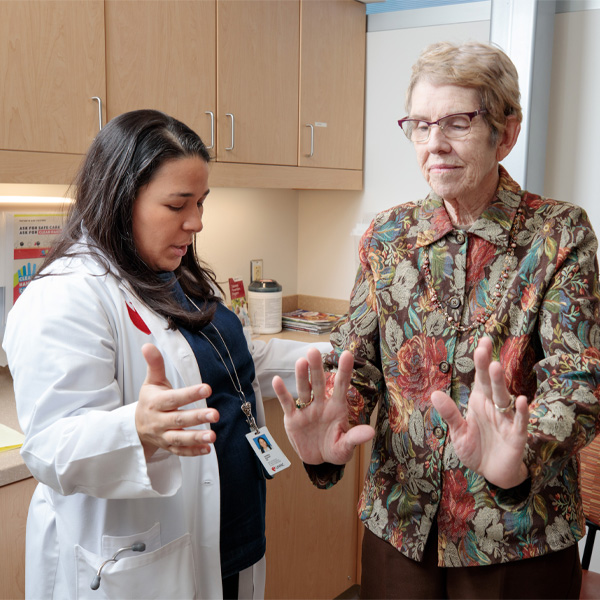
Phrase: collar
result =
(493, 225)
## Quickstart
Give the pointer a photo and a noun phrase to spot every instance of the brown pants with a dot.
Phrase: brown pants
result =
(386, 573)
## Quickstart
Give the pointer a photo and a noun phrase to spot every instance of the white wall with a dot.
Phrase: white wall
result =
(573, 154)
(242, 224)
(239, 224)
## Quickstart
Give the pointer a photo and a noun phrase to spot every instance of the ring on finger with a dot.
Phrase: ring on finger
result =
(300, 405)
(506, 408)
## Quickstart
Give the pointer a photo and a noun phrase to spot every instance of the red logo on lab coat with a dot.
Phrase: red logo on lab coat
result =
(137, 320)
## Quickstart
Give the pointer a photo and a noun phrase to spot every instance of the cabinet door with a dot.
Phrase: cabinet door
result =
(51, 65)
(332, 84)
(14, 505)
(311, 533)
(161, 55)
(257, 66)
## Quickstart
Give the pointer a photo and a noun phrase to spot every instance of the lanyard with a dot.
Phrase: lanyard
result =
(237, 386)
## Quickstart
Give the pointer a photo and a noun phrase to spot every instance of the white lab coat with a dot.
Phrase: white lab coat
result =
(74, 353)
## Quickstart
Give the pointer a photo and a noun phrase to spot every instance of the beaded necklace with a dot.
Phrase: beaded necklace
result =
(500, 287)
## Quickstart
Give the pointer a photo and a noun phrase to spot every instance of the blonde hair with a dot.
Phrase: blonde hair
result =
(482, 67)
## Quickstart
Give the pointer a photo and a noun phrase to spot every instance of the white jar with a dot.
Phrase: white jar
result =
(264, 306)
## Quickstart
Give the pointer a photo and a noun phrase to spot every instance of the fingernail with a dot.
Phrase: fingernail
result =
(206, 437)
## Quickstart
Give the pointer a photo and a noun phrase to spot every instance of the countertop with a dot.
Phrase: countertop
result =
(12, 467)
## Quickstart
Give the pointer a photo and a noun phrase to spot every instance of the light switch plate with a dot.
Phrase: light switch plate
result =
(256, 269)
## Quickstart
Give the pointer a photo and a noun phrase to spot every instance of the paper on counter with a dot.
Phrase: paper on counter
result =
(10, 438)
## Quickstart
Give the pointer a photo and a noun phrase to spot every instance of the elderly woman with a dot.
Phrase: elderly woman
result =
(473, 329)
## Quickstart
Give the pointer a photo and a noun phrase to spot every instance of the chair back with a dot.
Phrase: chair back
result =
(590, 480)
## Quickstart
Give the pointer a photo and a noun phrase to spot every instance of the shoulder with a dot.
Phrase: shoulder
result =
(556, 217)
(69, 307)
(70, 284)
(396, 219)
(407, 210)
(78, 264)
(536, 205)
(559, 231)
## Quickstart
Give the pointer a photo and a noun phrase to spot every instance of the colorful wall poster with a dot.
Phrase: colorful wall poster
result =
(32, 238)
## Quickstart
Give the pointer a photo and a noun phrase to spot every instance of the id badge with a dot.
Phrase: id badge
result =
(269, 453)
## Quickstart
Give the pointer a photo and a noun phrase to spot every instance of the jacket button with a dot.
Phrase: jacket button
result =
(460, 238)
(434, 496)
(454, 302)
(444, 366)
(438, 432)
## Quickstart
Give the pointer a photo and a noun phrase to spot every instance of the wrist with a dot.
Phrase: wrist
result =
(149, 450)
(523, 473)
(511, 480)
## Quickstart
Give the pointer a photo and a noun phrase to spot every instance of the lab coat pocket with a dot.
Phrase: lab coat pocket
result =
(164, 573)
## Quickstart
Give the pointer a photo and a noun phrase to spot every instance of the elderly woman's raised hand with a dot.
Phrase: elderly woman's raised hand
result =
(320, 431)
(158, 420)
(491, 440)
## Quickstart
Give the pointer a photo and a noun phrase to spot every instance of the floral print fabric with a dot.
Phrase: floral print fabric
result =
(545, 331)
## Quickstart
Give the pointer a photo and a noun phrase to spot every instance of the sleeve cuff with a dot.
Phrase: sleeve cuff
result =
(512, 498)
(325, 475)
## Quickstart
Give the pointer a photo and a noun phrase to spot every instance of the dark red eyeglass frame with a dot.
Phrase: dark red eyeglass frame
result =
(471, 116)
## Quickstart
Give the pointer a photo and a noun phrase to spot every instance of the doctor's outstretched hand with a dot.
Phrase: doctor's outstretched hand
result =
(158, 420)
(318, 426)
(491, 440)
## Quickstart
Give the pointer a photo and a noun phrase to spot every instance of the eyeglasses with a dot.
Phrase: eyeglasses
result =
(454, 126)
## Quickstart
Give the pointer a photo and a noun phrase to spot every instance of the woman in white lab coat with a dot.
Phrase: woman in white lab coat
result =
(133, 448)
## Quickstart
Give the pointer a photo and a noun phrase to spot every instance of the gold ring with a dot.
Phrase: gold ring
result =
(506, 408)
(301, 405)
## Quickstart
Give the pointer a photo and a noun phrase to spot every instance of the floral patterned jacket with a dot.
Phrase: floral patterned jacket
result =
(545, 329)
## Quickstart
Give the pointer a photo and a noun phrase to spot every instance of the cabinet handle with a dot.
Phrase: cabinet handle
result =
(312, 140)
(99, 101)
(232, 131)
(212, 129)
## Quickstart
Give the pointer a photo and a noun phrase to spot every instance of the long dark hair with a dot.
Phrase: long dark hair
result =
(124, 157)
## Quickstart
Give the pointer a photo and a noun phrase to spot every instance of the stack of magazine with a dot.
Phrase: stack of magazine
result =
(310, 321)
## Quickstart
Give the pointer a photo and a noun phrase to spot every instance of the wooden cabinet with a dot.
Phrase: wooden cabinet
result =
(246, 75)
(332, 84)
(14, 505)
(291, 79)
(51, 66)
(166, 55)
(52, 63)
(257, 81)
(312, 534)
(161, 55)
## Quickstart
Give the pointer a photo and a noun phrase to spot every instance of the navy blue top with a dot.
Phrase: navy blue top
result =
(241, 476)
